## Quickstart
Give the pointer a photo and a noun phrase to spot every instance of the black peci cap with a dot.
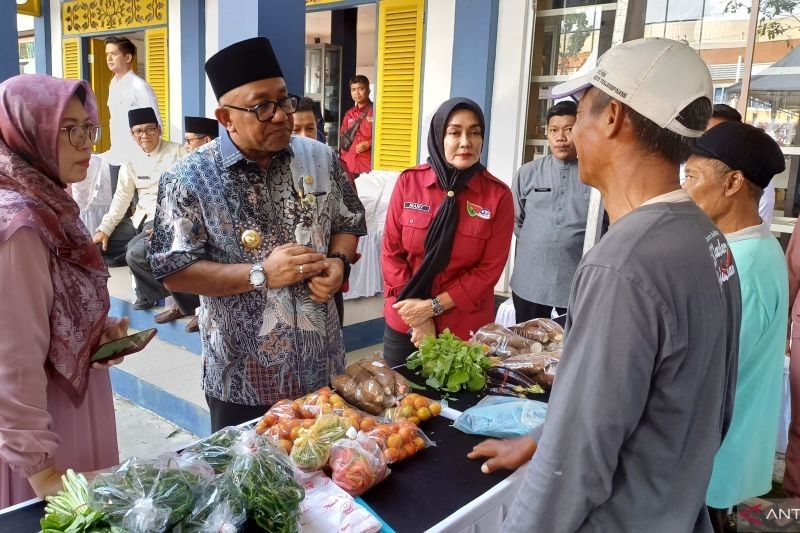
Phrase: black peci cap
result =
(240, 63)
(142, 115)
(744, 148)
(201, 126)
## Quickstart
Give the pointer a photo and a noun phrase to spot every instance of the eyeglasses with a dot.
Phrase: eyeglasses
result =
(265, 111)
(79, 134)
(149, 131)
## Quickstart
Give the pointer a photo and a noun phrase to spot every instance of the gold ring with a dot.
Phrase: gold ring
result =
(301, 269)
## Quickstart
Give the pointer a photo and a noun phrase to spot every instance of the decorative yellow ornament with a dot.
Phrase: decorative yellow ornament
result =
(251, 240)
(309, 180)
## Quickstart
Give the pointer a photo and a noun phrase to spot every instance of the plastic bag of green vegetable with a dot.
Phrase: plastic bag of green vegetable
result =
(313, 445)
(220, 508)
(146, 496)
(264, 474)
(449, 363)
(216, 448)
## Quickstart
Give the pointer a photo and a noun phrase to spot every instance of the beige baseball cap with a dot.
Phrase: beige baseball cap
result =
(655, 77)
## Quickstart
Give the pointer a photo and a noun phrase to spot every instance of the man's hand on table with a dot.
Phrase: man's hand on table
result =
(324, 285)
(285, 263)
(507, 454)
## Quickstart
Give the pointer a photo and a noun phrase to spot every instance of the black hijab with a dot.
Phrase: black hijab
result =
(441, 233)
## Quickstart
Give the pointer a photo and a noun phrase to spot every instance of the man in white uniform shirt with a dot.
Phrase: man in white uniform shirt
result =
(127, 91)
(141, 175)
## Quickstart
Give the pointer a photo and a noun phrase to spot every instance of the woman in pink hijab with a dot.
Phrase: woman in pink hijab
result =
(57, 411)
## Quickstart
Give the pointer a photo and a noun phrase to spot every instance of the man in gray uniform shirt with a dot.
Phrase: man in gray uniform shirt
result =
(644, 392)
(550, 204)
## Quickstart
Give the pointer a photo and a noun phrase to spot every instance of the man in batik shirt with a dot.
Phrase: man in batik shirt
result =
(262, 225)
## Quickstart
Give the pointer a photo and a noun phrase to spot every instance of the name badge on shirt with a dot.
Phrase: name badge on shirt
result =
(542, 189)
(144, 177)
(417, 207)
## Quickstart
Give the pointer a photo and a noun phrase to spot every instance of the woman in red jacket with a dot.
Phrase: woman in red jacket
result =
(447, 236)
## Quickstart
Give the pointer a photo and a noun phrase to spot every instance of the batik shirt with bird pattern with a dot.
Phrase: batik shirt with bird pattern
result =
(259, 346)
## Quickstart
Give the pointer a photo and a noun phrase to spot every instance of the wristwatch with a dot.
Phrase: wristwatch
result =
(337, 255)
(258, 278)
(437, 306)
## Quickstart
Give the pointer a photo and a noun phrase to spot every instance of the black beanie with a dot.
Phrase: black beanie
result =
(240, 63)
(201, 126)
(744, 148)
(142, 115)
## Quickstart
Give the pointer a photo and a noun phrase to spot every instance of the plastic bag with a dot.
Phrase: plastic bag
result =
(264, 474)
(357, 464)
(371, 385)
(399, 440)
(543, 330)
(219, 508)
(413, 408)
(502, 417)
(216, 448)
(144, 496)
(313, 445)
(329, 509)
(541, 367)
(503, 342)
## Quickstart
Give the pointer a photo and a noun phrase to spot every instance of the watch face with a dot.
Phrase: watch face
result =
(257, 278)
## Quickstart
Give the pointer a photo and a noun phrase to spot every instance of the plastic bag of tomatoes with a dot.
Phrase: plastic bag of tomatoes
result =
(413, 408)
(399, 440)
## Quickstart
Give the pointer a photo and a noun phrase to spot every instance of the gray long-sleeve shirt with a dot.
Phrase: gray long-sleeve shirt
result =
(644, 391)
(550, 210)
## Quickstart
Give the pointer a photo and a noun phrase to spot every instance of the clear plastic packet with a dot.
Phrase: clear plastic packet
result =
(502, 417)
(543, 330)
(313, 445)
(216, 448)
(399, 440)
(541, 367)
(413, 408)
(264, 474)
(145, 496)
(219, 508)
(503, 342)
(357, 464)
(371, 385)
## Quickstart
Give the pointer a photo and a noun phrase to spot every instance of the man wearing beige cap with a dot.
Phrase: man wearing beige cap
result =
(644, 390)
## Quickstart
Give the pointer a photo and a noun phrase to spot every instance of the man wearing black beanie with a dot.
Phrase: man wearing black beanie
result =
(731, 165)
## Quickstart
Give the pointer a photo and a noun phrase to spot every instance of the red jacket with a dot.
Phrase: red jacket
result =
(355, 163)
(481, 247)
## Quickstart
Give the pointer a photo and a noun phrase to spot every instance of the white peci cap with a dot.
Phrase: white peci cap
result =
(655, 77)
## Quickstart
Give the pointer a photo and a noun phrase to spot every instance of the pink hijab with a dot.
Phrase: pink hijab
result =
(32, 196)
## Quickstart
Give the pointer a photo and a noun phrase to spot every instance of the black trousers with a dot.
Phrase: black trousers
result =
(396, 347)
(148, 288)
(526, 310)
(114, 255)
(338, 299)
(224, 414)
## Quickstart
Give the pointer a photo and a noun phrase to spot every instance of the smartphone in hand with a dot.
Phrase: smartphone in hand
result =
(124, 346)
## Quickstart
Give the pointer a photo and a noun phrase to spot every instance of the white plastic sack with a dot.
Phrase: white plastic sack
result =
(328, 508)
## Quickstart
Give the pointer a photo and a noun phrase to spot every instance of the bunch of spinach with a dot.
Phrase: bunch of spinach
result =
(449, 363)
(69, 509)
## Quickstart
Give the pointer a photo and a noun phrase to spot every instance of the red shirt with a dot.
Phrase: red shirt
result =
(481, 247)
(355, 163)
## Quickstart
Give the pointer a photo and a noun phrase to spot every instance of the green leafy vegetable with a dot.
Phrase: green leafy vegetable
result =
(69, 509)
(450, 364)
